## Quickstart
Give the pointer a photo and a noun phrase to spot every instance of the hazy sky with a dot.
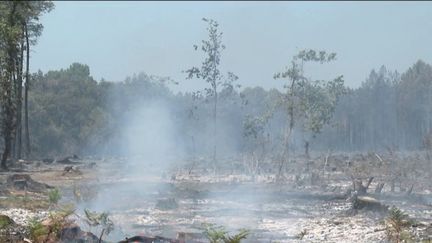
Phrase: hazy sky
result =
(117, 39)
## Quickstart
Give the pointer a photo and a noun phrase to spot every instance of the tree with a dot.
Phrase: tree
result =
(299, 99)
(414, 98)
(17, 22)
(259, 110)
(210, 73)
(32, 29)
(9, 49)
(318, 103)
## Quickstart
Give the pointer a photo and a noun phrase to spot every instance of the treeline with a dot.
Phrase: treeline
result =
(72, 113)
(389, 111)
(67, 111)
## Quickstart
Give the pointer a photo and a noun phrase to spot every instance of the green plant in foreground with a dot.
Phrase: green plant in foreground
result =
(99, 219)
(54, 196)
(5, 221)
(59, 219)
(396, 223)
(51, 230)
(36, 229)
(218, 234)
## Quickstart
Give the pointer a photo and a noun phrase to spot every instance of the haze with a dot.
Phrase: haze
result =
(117, 39)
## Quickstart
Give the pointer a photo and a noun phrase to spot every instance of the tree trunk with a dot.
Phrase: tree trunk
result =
(19, 80)
(7, 95)
(26, 88)
(307, 149)
(359, 187)
(13, 94)
(6, 152)
(288, 130)
(379, 188)
(7, 116)
(215, 128)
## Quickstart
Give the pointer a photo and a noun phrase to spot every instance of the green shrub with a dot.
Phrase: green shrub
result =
(54, 196)
(36, 229)
(396, 223)
(218, 234)
(5, 221)
(99, 219)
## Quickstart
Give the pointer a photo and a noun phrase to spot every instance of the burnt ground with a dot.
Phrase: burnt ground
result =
(308, 204)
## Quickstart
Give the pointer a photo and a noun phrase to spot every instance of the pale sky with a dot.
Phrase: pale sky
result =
(118, 39)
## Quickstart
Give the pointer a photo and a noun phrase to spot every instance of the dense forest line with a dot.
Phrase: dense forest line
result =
(73, 113)
(67, 111)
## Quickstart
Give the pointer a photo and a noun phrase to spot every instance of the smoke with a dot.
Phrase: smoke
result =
(150, 137)
(149, 141)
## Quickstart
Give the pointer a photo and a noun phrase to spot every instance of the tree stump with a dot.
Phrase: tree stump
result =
(379, 187)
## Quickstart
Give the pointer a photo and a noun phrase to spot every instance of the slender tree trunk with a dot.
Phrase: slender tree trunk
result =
(13, 95)
(26, 89)
(215, 128)
(288, 129)
(19, 103)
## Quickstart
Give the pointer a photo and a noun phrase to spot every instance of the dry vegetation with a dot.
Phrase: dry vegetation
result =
(335, 197)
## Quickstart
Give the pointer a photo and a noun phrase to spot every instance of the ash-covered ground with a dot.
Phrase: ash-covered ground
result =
(311, 201)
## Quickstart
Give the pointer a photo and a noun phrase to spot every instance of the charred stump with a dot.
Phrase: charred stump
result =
(359, 187)
(379, 187)
(23, 182)
(74, 233)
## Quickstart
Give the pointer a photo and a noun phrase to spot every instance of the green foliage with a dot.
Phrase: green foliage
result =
(396, 224)
(59, 219)
(50, 232)
(313, 101)
(210, 73)
(71, 113)
(212, 47)
(5, 221)
(54, 196)
(242, 235)
(99, 219)
(36, 229)
(19, 24)
(319, 102)
(217, 234)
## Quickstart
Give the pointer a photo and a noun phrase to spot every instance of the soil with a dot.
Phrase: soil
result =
(310, 204)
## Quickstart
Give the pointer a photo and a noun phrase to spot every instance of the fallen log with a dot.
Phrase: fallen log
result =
(366, 203)
(147, 239)
(69, 160)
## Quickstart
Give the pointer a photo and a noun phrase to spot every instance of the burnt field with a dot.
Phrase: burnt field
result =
(330, 198)
(220, 122)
